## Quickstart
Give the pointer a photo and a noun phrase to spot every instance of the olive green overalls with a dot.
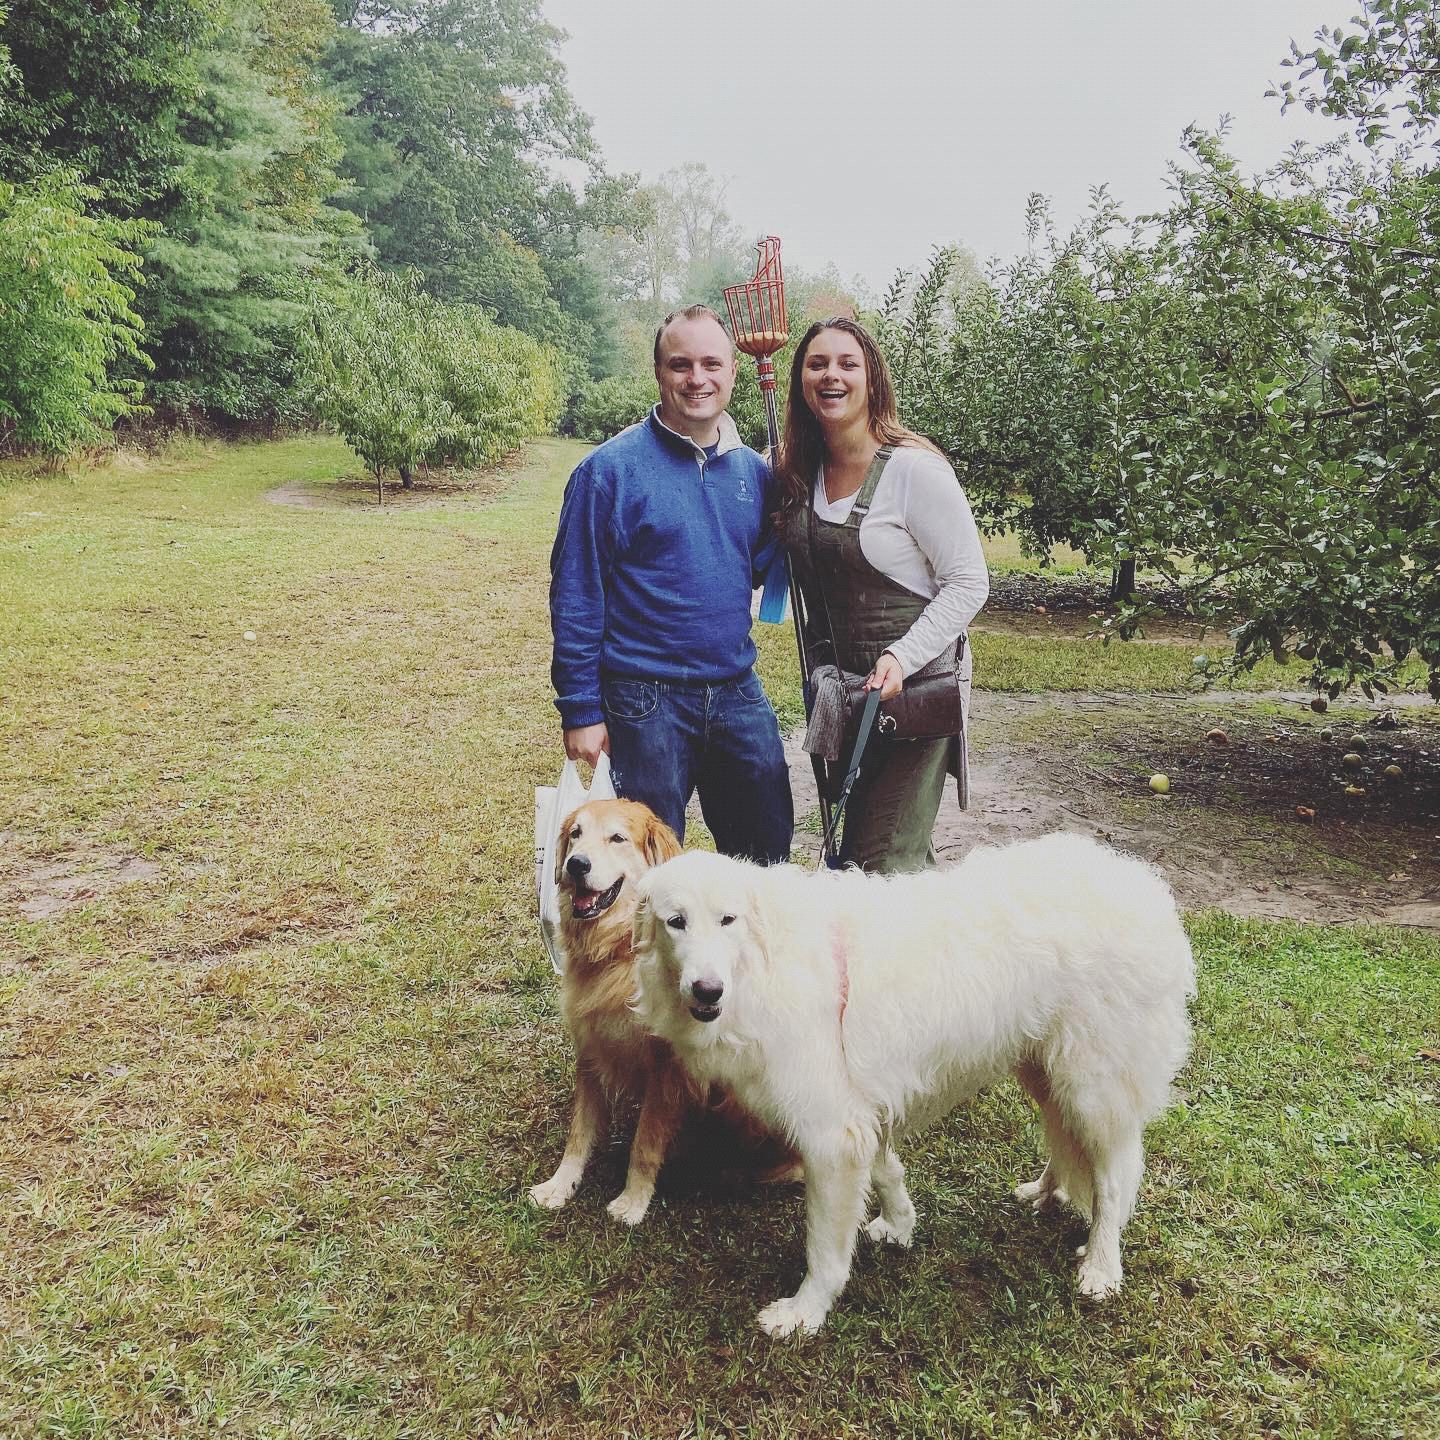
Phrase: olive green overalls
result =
(891, 812)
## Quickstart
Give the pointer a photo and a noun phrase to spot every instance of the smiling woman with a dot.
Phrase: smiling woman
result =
(888, 563)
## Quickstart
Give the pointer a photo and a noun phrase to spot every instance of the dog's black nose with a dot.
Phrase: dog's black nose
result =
(707, 994)
(577, 867)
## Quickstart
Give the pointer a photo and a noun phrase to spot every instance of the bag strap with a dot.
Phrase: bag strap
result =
(829, 852)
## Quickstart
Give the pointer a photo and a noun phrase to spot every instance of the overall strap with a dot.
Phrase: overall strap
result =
(866, 493)
(849, 528)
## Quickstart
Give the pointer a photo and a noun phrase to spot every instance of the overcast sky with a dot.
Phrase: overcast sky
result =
(866, 131)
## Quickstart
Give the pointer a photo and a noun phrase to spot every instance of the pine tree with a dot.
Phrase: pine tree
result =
(246, 230)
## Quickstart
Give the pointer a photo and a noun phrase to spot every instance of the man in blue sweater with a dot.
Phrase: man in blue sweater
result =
(664, 533)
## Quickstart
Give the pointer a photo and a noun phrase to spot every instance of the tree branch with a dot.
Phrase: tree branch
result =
(1339, 241)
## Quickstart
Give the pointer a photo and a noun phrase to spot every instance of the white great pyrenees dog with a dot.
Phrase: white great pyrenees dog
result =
(845, 1009)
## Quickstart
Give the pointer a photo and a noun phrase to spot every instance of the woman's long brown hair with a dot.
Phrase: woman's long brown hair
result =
(802, 451)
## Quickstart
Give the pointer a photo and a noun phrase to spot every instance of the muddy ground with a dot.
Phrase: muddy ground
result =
(1229, 834)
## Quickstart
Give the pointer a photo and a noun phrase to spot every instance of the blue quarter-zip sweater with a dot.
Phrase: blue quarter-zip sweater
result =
(658, 552)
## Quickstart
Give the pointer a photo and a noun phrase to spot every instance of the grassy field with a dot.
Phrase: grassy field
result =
(267, 1116)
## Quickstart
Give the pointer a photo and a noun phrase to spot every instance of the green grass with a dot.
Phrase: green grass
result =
(1021, 664)
(1005, 554)
(1024, 664)
(266, 1120)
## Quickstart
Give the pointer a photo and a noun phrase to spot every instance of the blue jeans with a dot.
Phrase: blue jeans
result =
(667, 740)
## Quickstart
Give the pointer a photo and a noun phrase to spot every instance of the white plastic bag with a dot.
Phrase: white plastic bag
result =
(552, 804)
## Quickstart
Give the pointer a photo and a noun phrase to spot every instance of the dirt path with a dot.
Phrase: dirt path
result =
(1229, 835)
(432, 488)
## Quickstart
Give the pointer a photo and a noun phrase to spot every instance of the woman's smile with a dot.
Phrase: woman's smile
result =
(834, 377)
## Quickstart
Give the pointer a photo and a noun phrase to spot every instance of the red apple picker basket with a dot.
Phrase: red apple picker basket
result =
(758, 324)
(759, 327)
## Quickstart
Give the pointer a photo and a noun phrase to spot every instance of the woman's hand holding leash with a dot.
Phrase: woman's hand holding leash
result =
(886, 677)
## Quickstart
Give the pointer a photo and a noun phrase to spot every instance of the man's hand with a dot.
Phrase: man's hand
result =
(886, 677)
(586, 743)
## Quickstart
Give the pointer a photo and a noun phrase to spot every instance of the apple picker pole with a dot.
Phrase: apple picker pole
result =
(759, 327)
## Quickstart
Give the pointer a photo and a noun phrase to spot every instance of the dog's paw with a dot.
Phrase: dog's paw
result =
(1041, 1196)
(628, 1209)
(882, 1232)
(785, 1317)
(1035, 1193)
(553, 1193)
(1098, 1282)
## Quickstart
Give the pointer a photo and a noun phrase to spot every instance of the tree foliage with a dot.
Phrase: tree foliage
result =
(264, 142)
(101, 87)
(1244, 390)
(245, 230)
(206, 119)
(408, 379)
(606, 407)
(67, 286)
(454, 114)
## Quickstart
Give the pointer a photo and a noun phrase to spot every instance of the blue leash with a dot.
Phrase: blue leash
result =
(829, 855)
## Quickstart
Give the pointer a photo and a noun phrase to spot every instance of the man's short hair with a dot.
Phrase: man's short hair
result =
(690, 312)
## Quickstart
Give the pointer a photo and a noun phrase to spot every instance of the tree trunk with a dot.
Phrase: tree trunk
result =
(379, 486)
(1122, 581)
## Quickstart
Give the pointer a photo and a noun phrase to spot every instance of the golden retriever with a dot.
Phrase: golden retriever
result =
(606, 847)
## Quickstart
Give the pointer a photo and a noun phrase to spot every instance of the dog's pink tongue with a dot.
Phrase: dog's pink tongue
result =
(586, 903)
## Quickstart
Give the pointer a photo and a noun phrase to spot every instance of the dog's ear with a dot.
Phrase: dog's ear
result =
(562, 843)
(658, 842)
(642, 927)
(643, 998)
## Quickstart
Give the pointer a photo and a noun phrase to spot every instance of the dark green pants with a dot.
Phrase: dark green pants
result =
(890, 815)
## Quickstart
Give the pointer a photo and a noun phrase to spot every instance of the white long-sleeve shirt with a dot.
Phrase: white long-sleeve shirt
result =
(919, 532)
